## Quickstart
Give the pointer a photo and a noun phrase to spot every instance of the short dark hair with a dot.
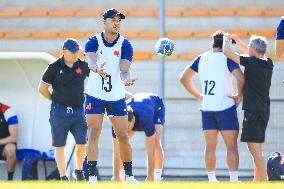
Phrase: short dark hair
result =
(218, 39)
(130, 114)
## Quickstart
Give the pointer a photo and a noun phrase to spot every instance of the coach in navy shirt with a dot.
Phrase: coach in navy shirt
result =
(66, 76)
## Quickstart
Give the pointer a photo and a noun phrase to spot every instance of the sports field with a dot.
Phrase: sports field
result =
(164, 185)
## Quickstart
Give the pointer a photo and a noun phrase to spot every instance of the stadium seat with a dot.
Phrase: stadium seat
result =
(268, 33)
(251, 11)
(90, 12)
(174, 12)
(92, 33)
(73, 33)
(149, 34)
(15, 34)
(223, 12)
(2, 33)
(143, 12)
(62, 12)
(42, 34)
(35, 12)
(142, 55)
(10, 12)
(188, 56)
(274, 12)
(130, 34)
(180, 34)
(203, 33)
(242, 33)
(196, 12)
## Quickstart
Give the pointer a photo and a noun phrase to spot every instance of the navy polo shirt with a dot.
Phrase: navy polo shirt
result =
(67, 83)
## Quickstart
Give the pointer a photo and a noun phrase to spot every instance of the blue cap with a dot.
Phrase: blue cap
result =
(110, 13)
(71, 45)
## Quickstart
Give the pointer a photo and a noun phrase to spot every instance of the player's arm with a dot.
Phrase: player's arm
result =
(150, 148)
(93, 66)
(13, 131)
(126, 59)
(240, 44)
(186, 80)
(227, 49)
(237, 73)
(43, 89)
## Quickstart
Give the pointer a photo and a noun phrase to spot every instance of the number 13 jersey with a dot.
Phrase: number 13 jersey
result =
(111, 88)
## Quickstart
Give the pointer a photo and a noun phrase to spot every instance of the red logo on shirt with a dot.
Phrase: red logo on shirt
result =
(116, 53)
(89, 106)
(79, 70)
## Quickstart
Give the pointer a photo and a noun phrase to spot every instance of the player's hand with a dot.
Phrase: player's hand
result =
(237, 99)
(129, 82)
(235, 37)
(200, 97)
(101, 70)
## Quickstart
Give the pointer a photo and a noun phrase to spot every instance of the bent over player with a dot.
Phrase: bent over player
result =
(146, 112)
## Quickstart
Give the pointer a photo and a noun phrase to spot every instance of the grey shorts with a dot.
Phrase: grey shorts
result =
(64, 119)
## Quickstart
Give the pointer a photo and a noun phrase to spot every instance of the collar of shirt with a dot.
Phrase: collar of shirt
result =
(63, 65)
(107, 44)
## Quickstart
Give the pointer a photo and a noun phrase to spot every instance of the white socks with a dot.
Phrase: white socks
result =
(158, 174)
(234, 176)
(212, 176)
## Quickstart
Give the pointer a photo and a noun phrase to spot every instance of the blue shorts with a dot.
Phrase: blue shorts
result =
(112, 108)
(159, 116)
(221, 120)
(64, 119)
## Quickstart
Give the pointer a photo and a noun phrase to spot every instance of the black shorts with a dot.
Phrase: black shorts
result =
(254, 126)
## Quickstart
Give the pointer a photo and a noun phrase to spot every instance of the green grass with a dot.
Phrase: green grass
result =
(163, 185)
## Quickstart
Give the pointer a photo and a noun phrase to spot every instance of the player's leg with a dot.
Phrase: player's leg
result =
(253, 133)
(9, 153)
(60, 127)
(94, 122)
(94, 110)
(159, 153)
(117, 163)
(210, 131)
(230, 139)
(211, 140)
(118, 116)
(120, 128)
(150, 148)
(258, 160)
(229, 126)
(79, 131)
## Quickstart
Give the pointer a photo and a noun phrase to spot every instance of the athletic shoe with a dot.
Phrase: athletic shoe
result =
(93, 179)
(64, 178)
(131, 180)
(78, 175)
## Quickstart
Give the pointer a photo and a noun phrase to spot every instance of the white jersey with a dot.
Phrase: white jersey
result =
(216, 81)
(111, 88)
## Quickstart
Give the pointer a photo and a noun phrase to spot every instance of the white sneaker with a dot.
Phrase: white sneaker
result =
(92, 179)
(131, 180)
